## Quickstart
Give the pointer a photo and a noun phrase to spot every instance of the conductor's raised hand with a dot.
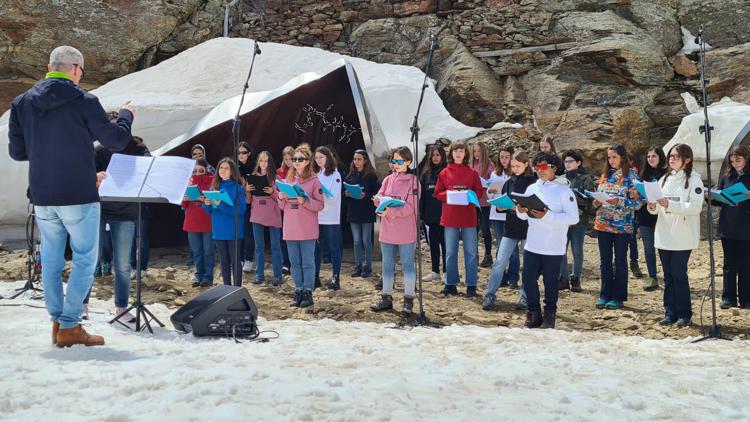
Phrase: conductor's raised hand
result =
(129, 107)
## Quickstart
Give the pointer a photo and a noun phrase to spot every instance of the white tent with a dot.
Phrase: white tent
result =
(173, 95)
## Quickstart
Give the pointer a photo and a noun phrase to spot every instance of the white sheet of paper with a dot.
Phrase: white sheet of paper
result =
(497, 186)
(458, 197)
(136, 177)
(601, 197)
(653, 191)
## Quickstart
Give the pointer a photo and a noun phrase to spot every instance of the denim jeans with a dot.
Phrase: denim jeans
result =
(406, 252)
(302, 258)
(55, 223)
(633, 245)
(614, 280)
(274, 233)
(736, 270)
(105, 248)
(676, 284)
(436, 239)
(285, 254)
(549, 266)
(649, 251)
(484, 225)
(362, 239)
(123, 233)
(145, 250)
(512, 274)
(469, 237)
(247, 247)
(230, 262)
(506, 249)
(576, 236)
(330, 238)
(202, 250)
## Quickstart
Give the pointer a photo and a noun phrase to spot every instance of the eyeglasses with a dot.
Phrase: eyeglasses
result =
(298, 159)
(199, 171)
(243, 152)
(398, 162)
(543, 167)
(674, 157)
(569, 161)
(80, 67)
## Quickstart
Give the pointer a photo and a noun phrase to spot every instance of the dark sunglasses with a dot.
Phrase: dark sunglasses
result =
(398, 162)
(543, 167)
(243, 152)
(199, 171)
(298, 159)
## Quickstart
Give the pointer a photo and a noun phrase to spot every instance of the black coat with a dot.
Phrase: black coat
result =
(515, 228)
(430, 209)
(643, 217)
(362, 210)
(53, 126)
(734, 222)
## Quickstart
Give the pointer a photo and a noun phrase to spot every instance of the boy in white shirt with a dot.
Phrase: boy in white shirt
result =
(546, 239)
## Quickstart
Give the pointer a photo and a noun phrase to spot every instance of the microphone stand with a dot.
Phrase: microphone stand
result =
(236, 122)
(33, 268)
(705, 129)
(421, 317)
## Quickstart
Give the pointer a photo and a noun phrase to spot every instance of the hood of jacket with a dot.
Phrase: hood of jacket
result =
(49, 94)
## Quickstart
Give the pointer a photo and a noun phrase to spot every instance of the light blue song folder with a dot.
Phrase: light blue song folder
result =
(291, 191)
(354, 190)
(732, 195)
(503, 202)
(472, 196)
(218, 195)
(193, 192)
(391, 202)
(326, 191)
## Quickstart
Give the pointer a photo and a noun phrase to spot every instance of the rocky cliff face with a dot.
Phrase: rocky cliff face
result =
(591, 72)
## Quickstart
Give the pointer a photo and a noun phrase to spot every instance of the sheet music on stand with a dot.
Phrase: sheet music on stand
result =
(146, 179)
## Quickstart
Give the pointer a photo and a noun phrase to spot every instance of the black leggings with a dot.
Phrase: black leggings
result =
(229, 262)
(436, 240)
(483, 214)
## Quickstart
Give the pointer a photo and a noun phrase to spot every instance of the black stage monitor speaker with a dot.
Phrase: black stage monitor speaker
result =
(218, 312)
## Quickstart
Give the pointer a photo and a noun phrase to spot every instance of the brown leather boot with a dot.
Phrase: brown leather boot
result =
(563, 284)
(67, 337)
(55, 329)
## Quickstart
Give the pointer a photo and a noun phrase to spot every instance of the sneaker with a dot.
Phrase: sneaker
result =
(85, 314)
(451, 290)
(432, 276)
(196, 283)
(285, 271)
(107, 269)
(601, 303)
(667, 321)
(384, 304)
(513, 285)
(98, 271)
(635, 269)
(297, 299)
(727, 303)
(408, 307)
(471, 291)
(276, 282)
(651, 285)
(366, 271)
(684, 322)
(307, 299)
(258, 281)
(247, 266)
(334, 284)
(489, 302)
(124, 316)
(133, 274)
(357, 271)
(614, 304)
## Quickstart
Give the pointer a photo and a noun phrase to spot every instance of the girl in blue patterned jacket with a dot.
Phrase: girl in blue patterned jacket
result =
(614, 224)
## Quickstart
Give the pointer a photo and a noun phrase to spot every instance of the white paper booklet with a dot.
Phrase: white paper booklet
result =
(130, 177)
(458, 197)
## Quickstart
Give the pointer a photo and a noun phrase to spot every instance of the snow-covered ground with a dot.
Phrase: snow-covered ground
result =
(328, 370)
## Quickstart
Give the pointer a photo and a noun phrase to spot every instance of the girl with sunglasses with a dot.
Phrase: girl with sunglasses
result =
(246, 165)
(677, 233)
(360, 212)
(266, 215)
(398, 230)
(329, 218)
(459, 220)
(229, 181)
(430, 210)
(484, 167)
(614, 224)
(300, 225)
(197, 224)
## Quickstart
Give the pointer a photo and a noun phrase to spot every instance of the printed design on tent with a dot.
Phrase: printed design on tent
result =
(334, 124)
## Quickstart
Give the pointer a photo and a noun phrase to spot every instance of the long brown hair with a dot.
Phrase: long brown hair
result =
(624, 162)
(368, 168)
(550, 140)
(499, 167)
(523, 157)
(741, 151)
(484, 159)
(270, 170)
(303, 149)
(686, 153)
(330, 161)
(456, 146)
(233, 173)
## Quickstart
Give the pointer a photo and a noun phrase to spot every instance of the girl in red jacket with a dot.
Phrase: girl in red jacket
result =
(459, 220)
(198, 227)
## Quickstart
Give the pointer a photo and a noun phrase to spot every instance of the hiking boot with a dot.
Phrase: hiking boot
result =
(334, 284)
(533, 319)
(635, 269)
(487, 261)
(366, 271)
(548, 319)
(67, 337)
(307, 299)
(575, 284)
(408, 308)
(651, 284)
(684, 322)
(357, 271)
(449, 289)
(384, 304)
(471, 291)
(489, 302)
(563, 284)
(727, 303)
(297, 299)
(55, 330)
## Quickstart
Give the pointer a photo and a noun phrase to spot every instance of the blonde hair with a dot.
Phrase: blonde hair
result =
(303, 149)
(288, 150)
(484, 160)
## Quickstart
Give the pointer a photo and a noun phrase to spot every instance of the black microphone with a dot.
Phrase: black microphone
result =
(257, 48)
(700, 35)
